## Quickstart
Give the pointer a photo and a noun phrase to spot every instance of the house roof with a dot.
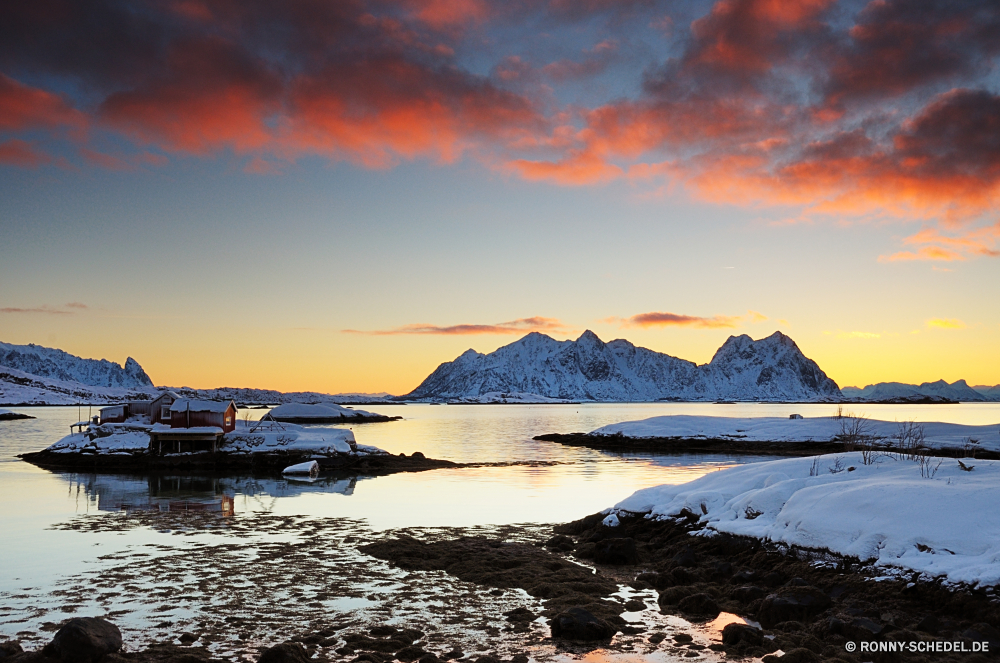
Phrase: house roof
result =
(172, 395)
(192, 405)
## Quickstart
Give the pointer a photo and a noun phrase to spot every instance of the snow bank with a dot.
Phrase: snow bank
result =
(779, 429)
(886, 513)
(317, 411)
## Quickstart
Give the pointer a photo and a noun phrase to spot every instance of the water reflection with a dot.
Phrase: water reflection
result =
(195, 493)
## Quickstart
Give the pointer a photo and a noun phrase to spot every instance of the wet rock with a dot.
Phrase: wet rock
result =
(453, 654)
(773, 579)
(519, 615)
(187, 638)
(673, 595)
(723, 568)
(579, 624)
(744, 577)
(8, 649)
(380, 631)
(797, 582)
(742, 634)
(748, 593)
(428, 658)
(410, 653)
(586, 550)
(799, 655)
(487, 659)
(560, 542)
(84, 640)
(286, 652)
(699, 605)
(616, 551)
(792, 604)
(371, 657)
(862, 628)
(634, 605)
(683, 638)
(519, 658)
(657, 638)
(682, 576)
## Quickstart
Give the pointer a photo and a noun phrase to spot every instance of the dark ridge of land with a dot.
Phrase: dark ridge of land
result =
(12, 416)
(271, 462)
(673, 445)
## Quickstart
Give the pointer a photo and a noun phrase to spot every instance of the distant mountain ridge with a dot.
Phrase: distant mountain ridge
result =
(770, 369)
(60, 365)
(956, 391)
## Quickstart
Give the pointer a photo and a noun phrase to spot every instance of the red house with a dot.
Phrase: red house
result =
(189, 413)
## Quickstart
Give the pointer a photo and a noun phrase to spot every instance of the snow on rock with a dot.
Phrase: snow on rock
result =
(309, 467)
(290, 437)
(60, 365)
(317, 411)
(937, 435)
(105, 439)
(770, 369)
(886, 513)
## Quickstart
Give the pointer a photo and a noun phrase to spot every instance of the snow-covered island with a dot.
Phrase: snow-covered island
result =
(324, 413)
(268, 446)
(7, 415)
(785, 435)
(935, 516)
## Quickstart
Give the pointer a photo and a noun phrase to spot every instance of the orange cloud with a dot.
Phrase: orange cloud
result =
(657, 319)
(513, 327)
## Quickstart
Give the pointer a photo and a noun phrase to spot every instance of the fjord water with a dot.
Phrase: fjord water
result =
(63, 529)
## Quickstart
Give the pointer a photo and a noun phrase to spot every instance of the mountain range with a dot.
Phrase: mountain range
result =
(771, 369)
(533, 369)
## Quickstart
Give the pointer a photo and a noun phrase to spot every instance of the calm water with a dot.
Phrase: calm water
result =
(67, 534)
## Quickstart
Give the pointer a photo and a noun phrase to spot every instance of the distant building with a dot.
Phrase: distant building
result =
(190, 413)
(194, 425)
(114, 414)
(159, 408)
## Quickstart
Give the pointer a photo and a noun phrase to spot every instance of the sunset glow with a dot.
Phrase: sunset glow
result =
(339, 196)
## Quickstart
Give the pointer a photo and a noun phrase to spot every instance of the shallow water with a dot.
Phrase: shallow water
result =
(164, 554)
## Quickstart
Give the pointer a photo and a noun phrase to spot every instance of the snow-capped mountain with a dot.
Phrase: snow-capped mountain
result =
(59, 365)
(956, 391)
(771, 369)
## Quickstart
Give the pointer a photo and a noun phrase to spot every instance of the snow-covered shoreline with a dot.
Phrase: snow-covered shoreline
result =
(936, 435)
(935, 517)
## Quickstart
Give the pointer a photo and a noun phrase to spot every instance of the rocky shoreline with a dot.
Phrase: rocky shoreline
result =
(673, 445)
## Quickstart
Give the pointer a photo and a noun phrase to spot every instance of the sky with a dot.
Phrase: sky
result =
(340, 195)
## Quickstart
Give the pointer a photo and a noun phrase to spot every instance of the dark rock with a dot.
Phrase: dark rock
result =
(748, 593)
(380, 631)
(616, 551)
(673, 595)
(657, 638)
(560, 542)
(519, 615)
(634, 606)
(686, 557)
(773, 579)
(371, 657)
(12, 648)
(578, 624)
(650, 580)
(286, 652)
(792, 604)
(797, 582)
(487, 659)
(984, 633)
(428, 658)
(742, 634)
(800, 655)
(744, 577)
(410, 634)
(682, 638)
(701, 605)
(519, 658)
(586, 550)
(453, 654)
(84, 640)
(682, 576)
(862, 628)
(723, 568)
(410, 653)
(187, 638)
(417, 455)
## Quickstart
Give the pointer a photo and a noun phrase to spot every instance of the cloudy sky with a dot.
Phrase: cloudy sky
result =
(339, 195)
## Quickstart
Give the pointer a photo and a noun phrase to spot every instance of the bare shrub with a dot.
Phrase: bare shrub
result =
(909, 440)
(927, 467)
(970, 447)
(857, 434)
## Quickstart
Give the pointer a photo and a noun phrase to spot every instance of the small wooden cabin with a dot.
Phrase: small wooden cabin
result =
(159, 408)
(190, 413)
(114, 414)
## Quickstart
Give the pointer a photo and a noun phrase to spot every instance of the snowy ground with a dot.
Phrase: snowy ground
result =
(129, 438)
(938, 519)
(937, 435)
